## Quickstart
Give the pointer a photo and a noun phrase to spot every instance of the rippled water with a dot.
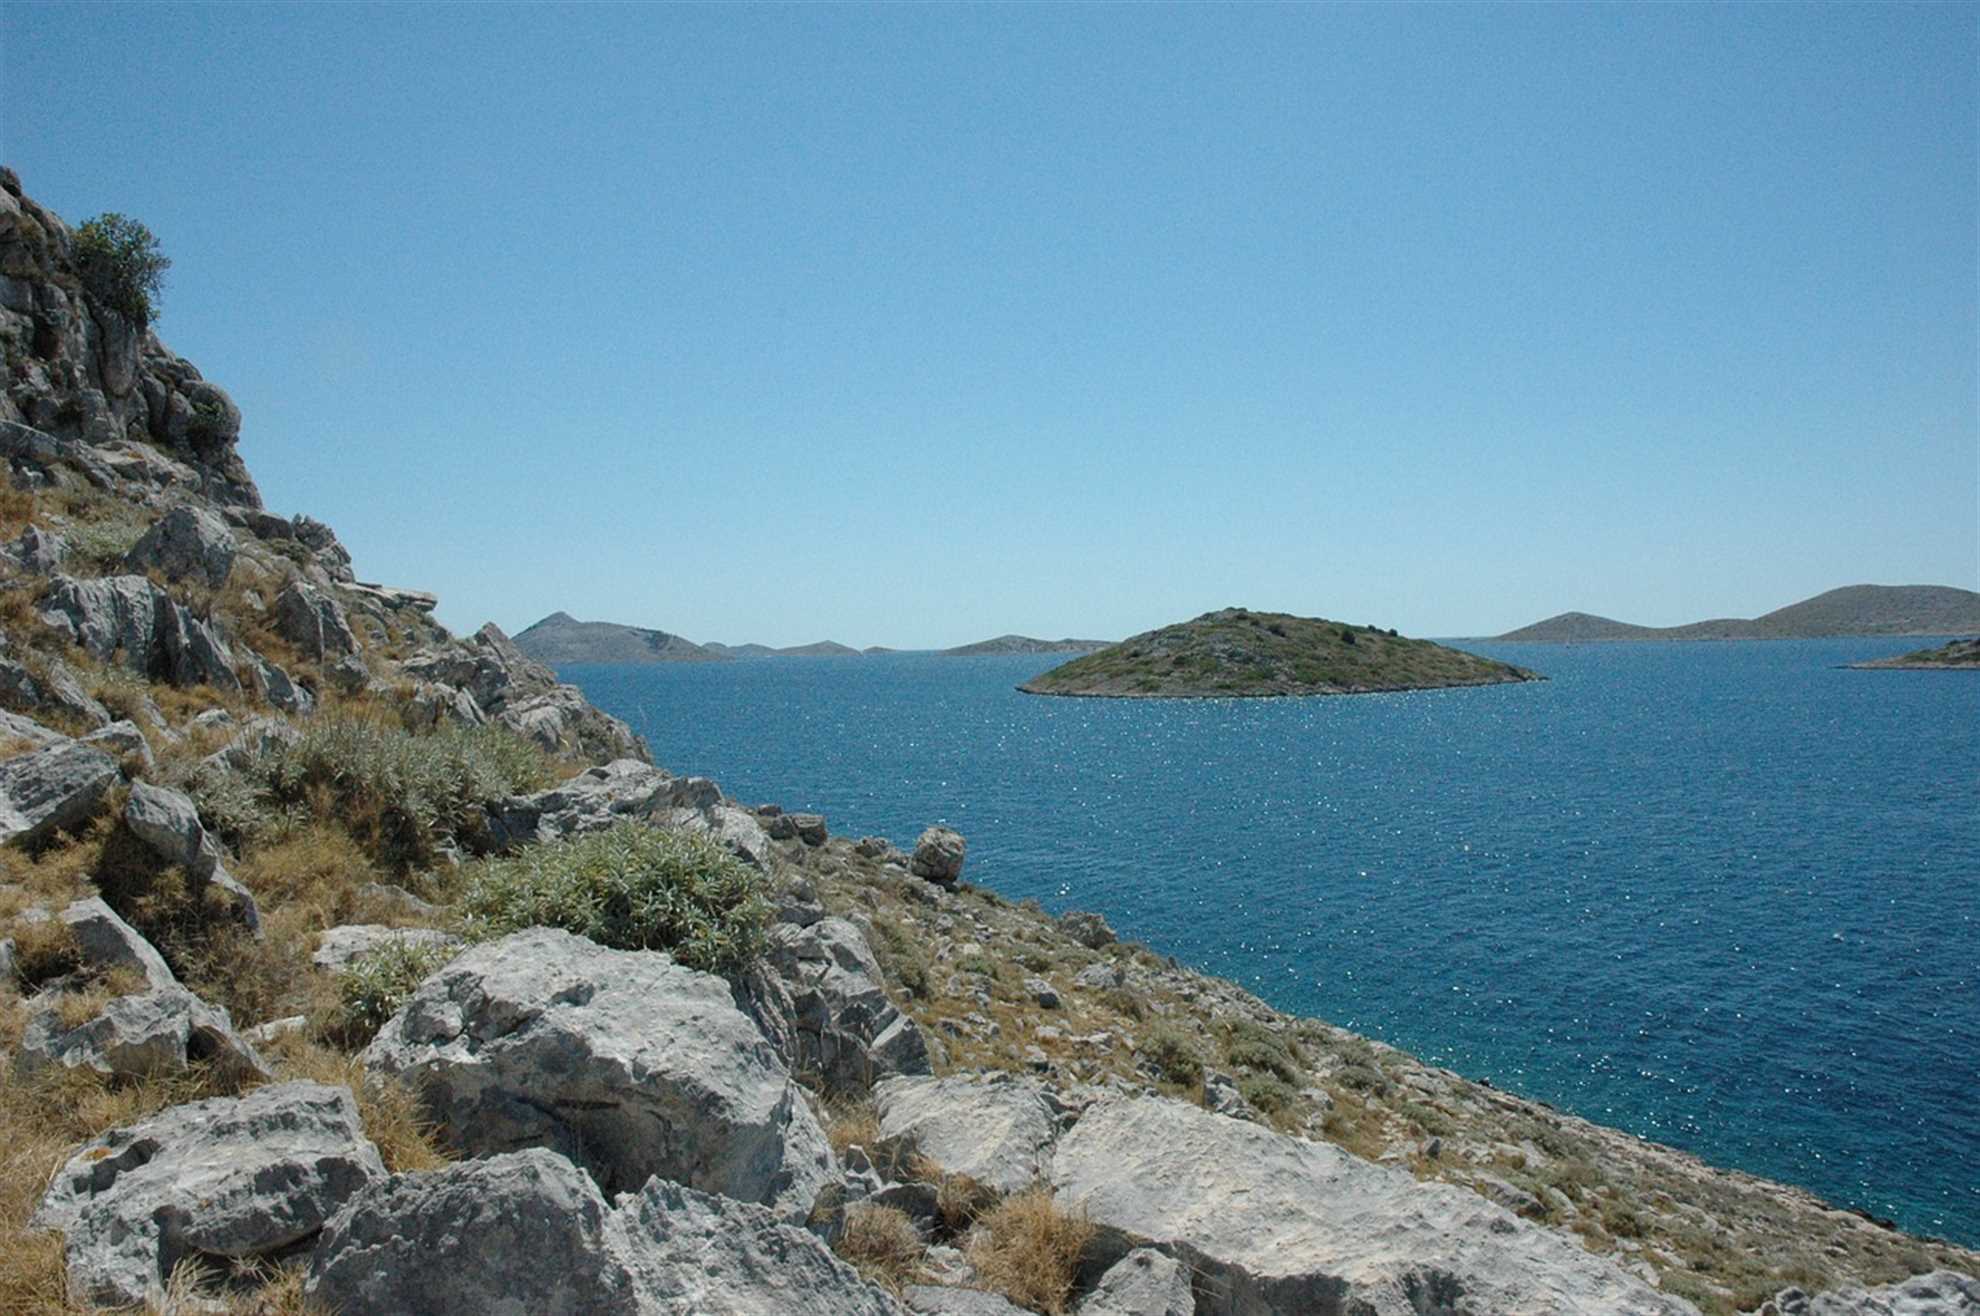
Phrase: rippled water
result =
(1722, 895)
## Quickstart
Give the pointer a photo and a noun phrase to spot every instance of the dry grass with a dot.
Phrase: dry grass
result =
(74, 1009)
(852, 1124)
(881, 1243)
(1030, 1251)
(44, 950)
(17, 509)
(248, 1289)
(393, 1116)
(960, 1201)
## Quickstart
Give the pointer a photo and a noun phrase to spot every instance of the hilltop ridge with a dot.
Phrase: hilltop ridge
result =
(562, 638)
(1850, 610)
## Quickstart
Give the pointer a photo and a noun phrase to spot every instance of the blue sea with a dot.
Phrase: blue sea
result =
(1723, 895)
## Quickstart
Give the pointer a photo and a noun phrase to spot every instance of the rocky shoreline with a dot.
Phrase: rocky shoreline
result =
(349, 965)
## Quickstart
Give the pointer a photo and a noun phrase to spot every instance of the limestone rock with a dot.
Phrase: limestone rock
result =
(57, 690)
(163, 1031)
(809, 828)
(1274, 1224)
(313, 621)
(52, 788)
(529, 1232)
(938, 856)
(229, 1178)
(1100, 977)
(1941, 1293)
(1042, 993)
(998, 1129)
(1088, 929)
(15, 727)
(110, 943)
(624, 1060)
(937, 1300)
(277, 688)
(1142, 1283)
(844, 1026)
(186, 541)
(130, 618)
(124, 740)
(168, 822)
(36, 552)
(434, 705)
(594, 800)
(339, 946)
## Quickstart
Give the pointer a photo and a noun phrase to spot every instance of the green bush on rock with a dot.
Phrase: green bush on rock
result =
(372, 987)
(632, 887)
(121, 266)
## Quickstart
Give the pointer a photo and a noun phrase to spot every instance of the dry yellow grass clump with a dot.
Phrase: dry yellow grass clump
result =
(881, 1243)
(1029, 1250)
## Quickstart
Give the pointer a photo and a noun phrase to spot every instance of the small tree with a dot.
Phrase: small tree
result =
(121, 266)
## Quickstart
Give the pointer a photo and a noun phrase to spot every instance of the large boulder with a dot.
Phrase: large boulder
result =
(623, 1060)
(233, 1178)
(995, 1129)
(166, 1030)
(841, 1023)
(594, 800)
(313, 621)
(1142, 1283)
(107, 942)
(52, 788)
(1941, 1293)
(129, 618)
(938, 856)
(1273, 1224)
(186, 541)
(528, 1232)
(340, 946)
(168, 824)
(27, 731)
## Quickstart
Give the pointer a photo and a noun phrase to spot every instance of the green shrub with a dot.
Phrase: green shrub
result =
(121, 266)
(1254, 1046)
(1172, 1053)
(372, 987)
(633, 887)
(1268, 1095)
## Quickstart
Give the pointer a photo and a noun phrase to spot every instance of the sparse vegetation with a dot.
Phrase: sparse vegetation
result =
(121, 266)
(372, 987)
(1029, 1250)
(1173, 1055)
(881, 1244)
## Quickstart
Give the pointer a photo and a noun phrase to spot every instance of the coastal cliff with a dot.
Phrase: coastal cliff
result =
(350, 965)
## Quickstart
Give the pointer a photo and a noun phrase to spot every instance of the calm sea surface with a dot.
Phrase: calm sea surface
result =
(1722, 895)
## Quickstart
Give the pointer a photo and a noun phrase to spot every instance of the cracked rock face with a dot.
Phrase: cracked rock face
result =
(52, 788)
(528, 1232)
(230, 1178)
(1277, 1225)
(997, 1130)
(623, 1060)
(1941, 1293)
(162, 1031)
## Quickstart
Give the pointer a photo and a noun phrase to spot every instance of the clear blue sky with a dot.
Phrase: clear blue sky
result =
(911, 325)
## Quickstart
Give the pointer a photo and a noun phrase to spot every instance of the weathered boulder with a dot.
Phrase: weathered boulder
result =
(108, 942)
(339, 946)
(842, 1024)
(594, 800)
(939, 1300)
(313, 621)
(1042, 993)
(56, 690)
(124, 740)
(1274, 1224)
(277, 688)
(52, 788)
(1100, 977)
(129, 618)
(938, 856)
(627, 1062)
(996, 1129)
(1940, 1293)
(562, 719)
(25, 729)
(809, 828)
(167, 822)
(186, 541)
(229, 1178)
(162, 1031)
(879, 847)
(435, 705)
(1088, 929)
(35, 553)
(1142, 1283)
(261, 736)
(527, 1232)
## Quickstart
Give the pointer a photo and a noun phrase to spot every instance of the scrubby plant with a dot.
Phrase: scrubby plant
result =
(1253, 1046)
(372, 987)
(634, 887)
(1267, 1094)
(1173, 1055)
(121, 266)
(1029, 1250)
(881, 1244)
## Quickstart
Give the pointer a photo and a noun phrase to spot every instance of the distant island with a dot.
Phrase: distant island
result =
(1236, 652)
(561, 638)
(1945, 658)
(1851, 610)
(821, 649)
(1023, 644)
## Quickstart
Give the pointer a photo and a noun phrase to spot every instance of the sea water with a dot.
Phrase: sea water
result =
(1722, 895)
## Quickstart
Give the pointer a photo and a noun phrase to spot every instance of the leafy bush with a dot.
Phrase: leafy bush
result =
(121, 266)
(633, 887)
(1172, 1053)
(372, 987)
(1266, 1094)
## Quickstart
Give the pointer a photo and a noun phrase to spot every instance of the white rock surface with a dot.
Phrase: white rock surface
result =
(1142, 1283)
(59, 786)
(341, 945)
(998, 1130)
(1941, 1293)
(110, 943)
(163, 1031)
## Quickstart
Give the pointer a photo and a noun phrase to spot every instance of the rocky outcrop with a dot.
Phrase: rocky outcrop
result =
(1142, 1283)
(938, 856)
(623, 1060)
(225, 1179)
(166, 1030)
(1088, 929)
(186, 542)
(56, 690)
(129, 619)
(313, 621)
(525, 696)
(107, 942)
(168, 823)
(995, 1129)
(1274, 1224)
(1941, 1293)
(837, 1020)
(340, 946)
(50, 789)
(529, 1232)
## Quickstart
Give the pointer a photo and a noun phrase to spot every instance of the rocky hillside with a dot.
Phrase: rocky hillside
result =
(350, 966)
(1023, 644)
(1959, 655)
(561, 638)
(1237, 652)
(1851, 610)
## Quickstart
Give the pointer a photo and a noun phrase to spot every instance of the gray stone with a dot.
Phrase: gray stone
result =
(841, 1023)
(397, 900)
(130, 618)
(435, 705)
(1088, 929)
(52, 788)
(1100, 977)
(879, 847)
(1042, 993)
(938, 856)
(36, 552)
(809, 827)
(186, 541)
(1142, 1283)
(15, 727)
(350, 675)
(261, 737)
(1514, 1198)
(339, 946)
(125, 741)
(528, 1234)
(594, 800)
(1940, 1293)
(736, 829)
(313, 621)
(168, 823)
(9, 962)
(56, 690)
(276, 687)
(230, 1178)
(935, 1300)
(108, 942)
(626, 1061)
(1274, 1224)
(996, 1129)
(1221, 1094)
(162, 1031)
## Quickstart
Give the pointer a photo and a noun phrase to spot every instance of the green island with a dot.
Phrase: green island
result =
(1946, 658)
(1239, 653)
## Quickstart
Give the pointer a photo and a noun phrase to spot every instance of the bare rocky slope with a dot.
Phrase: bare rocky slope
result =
(1851, 610)
(350, 965)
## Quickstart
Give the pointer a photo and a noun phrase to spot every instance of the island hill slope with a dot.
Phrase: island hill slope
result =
(1851, 610)
(1960, 655)
(1236, 652)
(562, 638)
(1010, 644)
